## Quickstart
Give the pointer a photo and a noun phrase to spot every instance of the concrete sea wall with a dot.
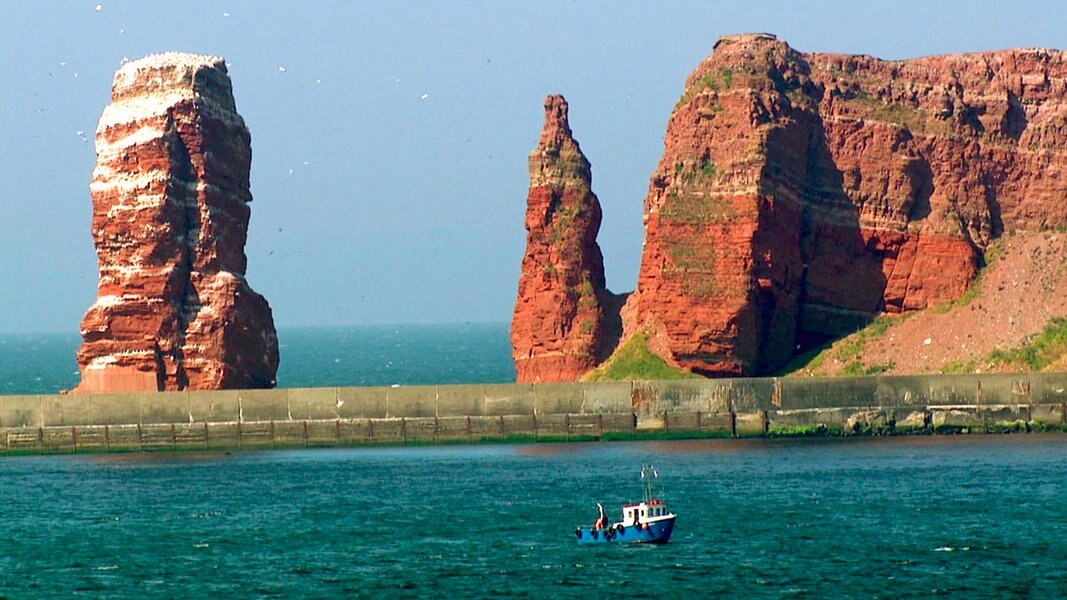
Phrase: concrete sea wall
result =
(469, 413)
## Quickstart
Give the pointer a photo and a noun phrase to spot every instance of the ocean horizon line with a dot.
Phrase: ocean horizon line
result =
(13, 333)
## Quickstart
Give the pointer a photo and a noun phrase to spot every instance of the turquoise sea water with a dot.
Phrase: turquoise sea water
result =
(865, 518)
(369, 355)
(980, 516)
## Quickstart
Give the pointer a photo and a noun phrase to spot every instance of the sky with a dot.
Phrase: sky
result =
(390, 139)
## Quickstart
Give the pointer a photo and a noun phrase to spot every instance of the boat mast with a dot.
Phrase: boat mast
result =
(648, 473)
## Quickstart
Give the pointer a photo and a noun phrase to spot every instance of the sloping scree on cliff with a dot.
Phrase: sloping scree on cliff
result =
(1018, 294)
(800, 195)
(170, 198)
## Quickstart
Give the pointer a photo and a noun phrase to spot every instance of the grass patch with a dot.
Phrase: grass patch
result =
(958, 367)
(1038, 353)
(1037, 427)
(709, 81)
(858, 369)
(633, 361)
(848, 350)
(694, 265)
(684, 206)
(853, 369)
(691, 198)
(714, 81)
(805, 362)
(916, 120)
(688, 257)
(854, 346)
(989, 258)
(879, 368)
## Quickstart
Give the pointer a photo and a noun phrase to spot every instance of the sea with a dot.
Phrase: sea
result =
(905, 517)
(367, 355)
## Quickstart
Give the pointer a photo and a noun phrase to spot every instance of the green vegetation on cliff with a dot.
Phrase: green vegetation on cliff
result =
(633, 361)
(1044, 350)
(848, 350)
(988, 259)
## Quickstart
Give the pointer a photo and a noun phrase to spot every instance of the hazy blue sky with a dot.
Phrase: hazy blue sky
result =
(372, 204)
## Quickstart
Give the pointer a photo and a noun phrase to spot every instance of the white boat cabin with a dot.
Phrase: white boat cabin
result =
(643, 511)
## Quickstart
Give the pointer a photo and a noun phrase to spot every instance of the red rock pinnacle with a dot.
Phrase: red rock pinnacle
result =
(170, 198)
(559, 329)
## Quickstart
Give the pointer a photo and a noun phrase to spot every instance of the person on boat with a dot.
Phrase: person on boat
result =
(602, 520)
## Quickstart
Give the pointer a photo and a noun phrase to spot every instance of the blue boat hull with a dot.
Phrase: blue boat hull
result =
(658, 532)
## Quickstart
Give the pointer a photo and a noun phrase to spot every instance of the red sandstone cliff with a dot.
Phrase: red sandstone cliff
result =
(801, 194)
(563, 323)
(170, 198)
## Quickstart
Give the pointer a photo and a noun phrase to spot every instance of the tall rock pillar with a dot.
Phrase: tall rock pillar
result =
(170, 196)
(560, 328)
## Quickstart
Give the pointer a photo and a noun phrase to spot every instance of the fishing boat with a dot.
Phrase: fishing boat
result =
(645, 522)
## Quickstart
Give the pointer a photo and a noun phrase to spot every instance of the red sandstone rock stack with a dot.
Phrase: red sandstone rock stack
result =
(170, 217)
(801, 194)
(560, 328)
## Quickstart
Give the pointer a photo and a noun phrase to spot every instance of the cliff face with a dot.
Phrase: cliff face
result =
(170, 196)
(561, 328)
(801, 194)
